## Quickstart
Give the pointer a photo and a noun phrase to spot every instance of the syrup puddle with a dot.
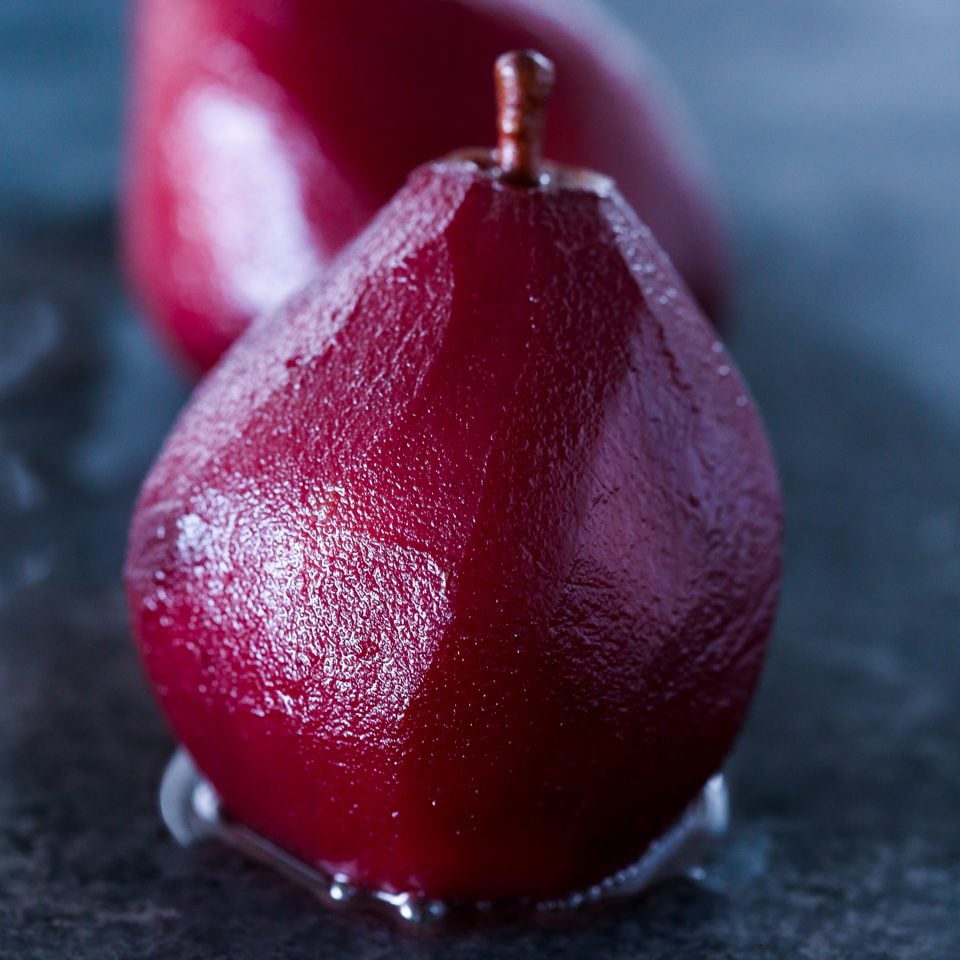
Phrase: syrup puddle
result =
(191, 811)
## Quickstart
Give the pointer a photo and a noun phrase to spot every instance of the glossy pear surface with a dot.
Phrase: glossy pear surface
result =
(456, 575)
(264, 136)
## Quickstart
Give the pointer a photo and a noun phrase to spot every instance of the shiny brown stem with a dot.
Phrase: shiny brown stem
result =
(524, 80)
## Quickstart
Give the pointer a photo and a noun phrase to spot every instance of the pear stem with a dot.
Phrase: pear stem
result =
(524, 81)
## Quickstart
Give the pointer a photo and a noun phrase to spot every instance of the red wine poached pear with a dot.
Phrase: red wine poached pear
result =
(264, 136)
(456, 575)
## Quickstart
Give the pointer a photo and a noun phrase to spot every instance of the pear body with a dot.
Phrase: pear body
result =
(264, 136)
(456, 575)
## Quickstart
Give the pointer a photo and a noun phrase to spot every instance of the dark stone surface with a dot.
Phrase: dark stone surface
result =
(837, 128)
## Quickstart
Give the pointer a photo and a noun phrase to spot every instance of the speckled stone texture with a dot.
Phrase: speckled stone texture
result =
(835, 125)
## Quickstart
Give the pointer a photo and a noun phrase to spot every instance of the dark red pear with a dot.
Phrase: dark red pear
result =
(456, 575)
(263, 136)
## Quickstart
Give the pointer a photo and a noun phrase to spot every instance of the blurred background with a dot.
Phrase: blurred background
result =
(835, 130)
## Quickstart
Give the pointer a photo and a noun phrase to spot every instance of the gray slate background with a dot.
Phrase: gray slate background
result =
(836, 129)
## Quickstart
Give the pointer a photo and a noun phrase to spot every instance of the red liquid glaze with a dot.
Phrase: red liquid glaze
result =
(456, 575)
(265, 135)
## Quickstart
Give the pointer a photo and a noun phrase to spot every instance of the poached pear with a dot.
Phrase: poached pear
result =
(456, 575)
(264, 136)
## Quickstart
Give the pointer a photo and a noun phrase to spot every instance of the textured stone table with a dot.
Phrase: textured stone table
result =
(836, 124)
